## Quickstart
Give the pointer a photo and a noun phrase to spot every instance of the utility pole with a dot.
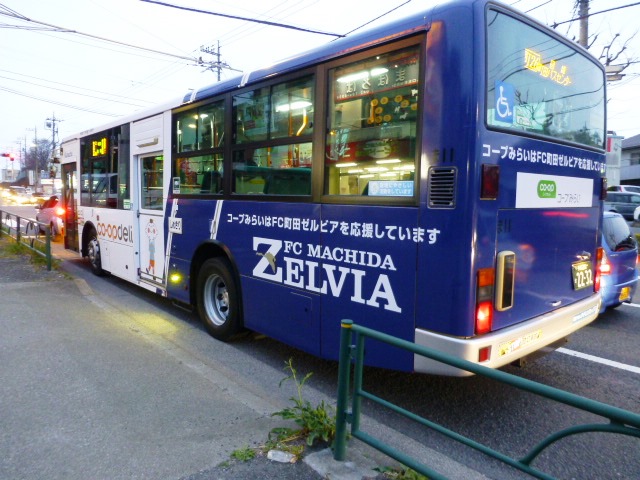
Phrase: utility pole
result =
(51, 123)
(218, 65)
(35, 156)
(614, 72)
(583, 14)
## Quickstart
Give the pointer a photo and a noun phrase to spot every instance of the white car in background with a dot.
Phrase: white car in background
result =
(624, 188)
(51, 212)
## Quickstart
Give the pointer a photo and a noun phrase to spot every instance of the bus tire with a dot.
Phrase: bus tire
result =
(217, 298)
(93, 253)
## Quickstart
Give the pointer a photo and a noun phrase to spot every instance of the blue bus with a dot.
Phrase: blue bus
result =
(439, 179)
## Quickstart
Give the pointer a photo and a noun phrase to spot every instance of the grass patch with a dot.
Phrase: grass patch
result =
(244, 454)
(10, 248)
(400, 473)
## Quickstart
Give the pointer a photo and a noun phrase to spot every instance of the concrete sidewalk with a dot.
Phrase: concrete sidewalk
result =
(100, 387)
(84, 397)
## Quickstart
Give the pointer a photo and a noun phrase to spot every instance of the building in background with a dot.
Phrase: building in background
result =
(629, 161)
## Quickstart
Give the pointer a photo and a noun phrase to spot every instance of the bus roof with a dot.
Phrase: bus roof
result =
(333, 49)
(380, 35)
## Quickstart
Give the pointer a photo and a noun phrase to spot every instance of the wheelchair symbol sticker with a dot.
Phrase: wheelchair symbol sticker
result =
(505, 95)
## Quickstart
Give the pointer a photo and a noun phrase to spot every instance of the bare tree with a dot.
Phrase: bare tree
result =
(38, 156)
(614, 53)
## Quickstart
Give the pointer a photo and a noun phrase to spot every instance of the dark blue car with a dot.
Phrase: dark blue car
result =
(619, 275)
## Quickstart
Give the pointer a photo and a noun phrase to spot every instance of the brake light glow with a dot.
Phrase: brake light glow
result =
(484, 317)
(600, 257)
(484, 300)
(605, 265)
(59, 211)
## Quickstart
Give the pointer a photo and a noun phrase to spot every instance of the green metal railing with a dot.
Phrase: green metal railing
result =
(620, 421)
(26, 231)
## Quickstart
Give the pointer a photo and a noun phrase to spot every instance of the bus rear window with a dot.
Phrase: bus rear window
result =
(538, 85)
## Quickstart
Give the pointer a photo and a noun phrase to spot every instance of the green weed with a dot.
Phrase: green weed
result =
(401, 473)
(244, 454)
(316, 423)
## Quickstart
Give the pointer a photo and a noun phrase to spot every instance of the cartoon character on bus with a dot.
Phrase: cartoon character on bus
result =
(152, 232)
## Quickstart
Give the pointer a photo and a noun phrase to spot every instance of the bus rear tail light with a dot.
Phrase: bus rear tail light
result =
(495, 290)
(484, 317)
(484, 300)
(59, 211)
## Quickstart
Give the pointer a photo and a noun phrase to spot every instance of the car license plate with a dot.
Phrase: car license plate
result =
(624, 294)
(582, 275)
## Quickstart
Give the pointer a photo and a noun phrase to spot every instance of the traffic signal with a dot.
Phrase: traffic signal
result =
(10, 155)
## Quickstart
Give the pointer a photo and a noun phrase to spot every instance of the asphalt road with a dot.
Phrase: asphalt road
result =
(115, 382)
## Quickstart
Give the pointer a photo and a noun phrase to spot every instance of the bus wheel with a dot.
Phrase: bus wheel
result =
(93, 252)
(218, 299)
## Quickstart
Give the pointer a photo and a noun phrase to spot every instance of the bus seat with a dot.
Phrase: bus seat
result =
(289, 182)
(211, 182)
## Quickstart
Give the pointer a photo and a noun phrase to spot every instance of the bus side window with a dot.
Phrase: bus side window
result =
(211, 182)
(292, 181)
(373, 112)
(152, 181)
(277, 170)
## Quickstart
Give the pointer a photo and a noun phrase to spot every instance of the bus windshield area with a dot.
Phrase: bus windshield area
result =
(539, 85)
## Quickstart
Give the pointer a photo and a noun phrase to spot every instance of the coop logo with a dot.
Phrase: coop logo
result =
(546, 189)
(115, 232)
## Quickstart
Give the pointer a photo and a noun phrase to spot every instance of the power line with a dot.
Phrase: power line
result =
(55, 28)
(534, 8)
(596, 13)
(377, 18)
(67, 85)
(72, 92)
(53, 102)
(239, 31)
(246, 19)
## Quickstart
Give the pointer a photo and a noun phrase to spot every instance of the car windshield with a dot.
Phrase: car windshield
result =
(50, 203)
(617, 234)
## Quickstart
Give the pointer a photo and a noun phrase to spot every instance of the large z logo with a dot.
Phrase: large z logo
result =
(267, 263)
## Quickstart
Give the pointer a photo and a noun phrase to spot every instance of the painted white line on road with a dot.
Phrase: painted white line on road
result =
(632, 305)
(604, 361)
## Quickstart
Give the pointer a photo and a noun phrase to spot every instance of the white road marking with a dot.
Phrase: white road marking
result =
(604, 361)
(632, 305)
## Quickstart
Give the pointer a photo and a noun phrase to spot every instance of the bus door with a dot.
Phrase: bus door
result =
(151, 217)
(69, 185)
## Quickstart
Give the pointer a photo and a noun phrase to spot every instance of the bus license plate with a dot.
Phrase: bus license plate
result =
(582, 275)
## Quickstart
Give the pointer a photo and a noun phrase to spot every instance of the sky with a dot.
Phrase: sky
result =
(83, 82)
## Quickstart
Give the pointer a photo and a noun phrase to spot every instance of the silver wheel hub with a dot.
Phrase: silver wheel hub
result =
(216, 300)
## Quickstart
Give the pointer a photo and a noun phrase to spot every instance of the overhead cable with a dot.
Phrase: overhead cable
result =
(67, 30)
(246, 19)
(596, 13)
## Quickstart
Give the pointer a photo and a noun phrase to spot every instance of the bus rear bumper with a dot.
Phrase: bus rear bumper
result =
(508, 344)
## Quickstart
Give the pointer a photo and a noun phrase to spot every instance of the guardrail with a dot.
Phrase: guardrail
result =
(620, 421)
(26, 231)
